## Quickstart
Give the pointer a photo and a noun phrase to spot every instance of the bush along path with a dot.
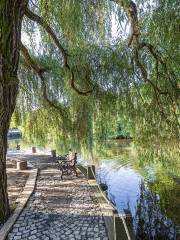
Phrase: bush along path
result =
(59, 209)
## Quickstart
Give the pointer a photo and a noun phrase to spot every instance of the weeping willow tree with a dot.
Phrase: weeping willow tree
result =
(76, 76)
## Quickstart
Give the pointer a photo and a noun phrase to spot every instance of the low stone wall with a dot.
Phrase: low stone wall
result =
(20, 164)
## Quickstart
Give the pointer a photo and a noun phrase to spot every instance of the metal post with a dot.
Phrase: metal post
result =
(53, 153)
(33, 149)
(119, 229)
(129, 223)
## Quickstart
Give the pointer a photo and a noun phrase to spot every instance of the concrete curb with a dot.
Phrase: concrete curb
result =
(21, 201)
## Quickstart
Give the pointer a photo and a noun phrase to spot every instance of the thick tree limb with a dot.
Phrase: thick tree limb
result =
(39, 71)
(48, 29)
(158, 58)
(40, 21)
(134, 41)
(145, 75)
(131, 10)
(133, 18)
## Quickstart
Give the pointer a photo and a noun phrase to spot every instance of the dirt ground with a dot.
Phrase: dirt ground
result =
(16, 181)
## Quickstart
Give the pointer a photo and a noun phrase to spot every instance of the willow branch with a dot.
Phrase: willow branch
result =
(131, 10)
(40, 71)
(134, 41)
(49, 30)
(158, 59)
(133, 18)
(145, 75)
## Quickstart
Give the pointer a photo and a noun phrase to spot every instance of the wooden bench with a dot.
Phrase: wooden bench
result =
(61, 157)
(67, 167)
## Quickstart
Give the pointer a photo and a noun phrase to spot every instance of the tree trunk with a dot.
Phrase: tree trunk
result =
(11, 14)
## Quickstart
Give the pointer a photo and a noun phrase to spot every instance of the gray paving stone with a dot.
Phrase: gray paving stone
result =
(17, 237)
(59, 210)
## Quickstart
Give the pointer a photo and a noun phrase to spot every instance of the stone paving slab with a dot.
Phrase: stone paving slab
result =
(60, 209)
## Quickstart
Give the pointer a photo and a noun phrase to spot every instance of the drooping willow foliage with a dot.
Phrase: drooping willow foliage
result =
(95, 37)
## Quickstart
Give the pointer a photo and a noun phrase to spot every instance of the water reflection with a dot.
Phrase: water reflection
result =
(149, 190)
(149, 221)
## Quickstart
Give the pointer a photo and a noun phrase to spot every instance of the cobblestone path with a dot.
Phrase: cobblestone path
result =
(59, 209)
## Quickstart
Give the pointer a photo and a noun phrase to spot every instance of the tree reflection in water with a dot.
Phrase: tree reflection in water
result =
(149, 221)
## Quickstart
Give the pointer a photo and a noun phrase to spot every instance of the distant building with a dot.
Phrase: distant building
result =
(14, 133)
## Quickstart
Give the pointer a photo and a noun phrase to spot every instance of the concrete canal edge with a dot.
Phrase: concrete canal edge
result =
(21, 203)
(119, 226)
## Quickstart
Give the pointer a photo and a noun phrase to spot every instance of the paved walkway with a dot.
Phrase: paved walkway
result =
(59, 209)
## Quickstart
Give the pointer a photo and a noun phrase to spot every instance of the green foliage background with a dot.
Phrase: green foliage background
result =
(101, 62)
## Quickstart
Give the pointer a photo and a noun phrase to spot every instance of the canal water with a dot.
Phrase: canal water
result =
(149, 190)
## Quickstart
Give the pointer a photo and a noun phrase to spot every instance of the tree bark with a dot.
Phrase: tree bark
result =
(11, 14)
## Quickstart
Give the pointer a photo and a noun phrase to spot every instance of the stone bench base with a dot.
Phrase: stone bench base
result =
(21, 165)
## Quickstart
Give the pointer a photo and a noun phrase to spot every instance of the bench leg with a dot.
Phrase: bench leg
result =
(74, 168)
(68, 171)
(61, 171)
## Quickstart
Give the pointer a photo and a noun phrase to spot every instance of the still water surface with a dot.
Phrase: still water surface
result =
(150, 191)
